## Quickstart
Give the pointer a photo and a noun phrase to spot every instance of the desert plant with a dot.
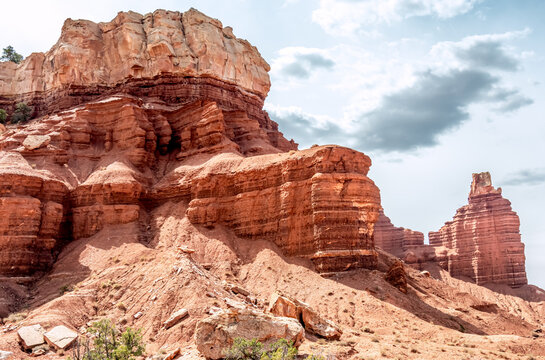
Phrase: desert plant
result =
(280, 350)
(3, 116)
(244, 349)
(22, 113)
(65, 288)
(9, 54)
(109, 343)
(253, 349)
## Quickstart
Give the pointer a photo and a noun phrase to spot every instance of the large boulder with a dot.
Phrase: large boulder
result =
(215, 334)
(282, 305)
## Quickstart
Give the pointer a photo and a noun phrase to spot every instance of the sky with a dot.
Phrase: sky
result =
(431, 90)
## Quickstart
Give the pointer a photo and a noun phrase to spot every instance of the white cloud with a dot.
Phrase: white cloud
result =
(300, 62)
(346, 17)
(489, 51)
(389, 102)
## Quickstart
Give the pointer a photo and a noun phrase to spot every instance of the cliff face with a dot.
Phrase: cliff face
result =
(484, 238)
(167, 107)
(395, 240)
(482, 242)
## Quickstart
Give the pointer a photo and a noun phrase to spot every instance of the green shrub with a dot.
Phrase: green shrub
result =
(65, 288)
(244, 349)
(109, 343)
(3, 116)
(281, 350)
(22, 113)
(9, 54)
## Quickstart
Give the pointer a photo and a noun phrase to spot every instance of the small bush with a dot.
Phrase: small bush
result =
(109, 343)
(22, 113)
(281, 350)
(244, 349)
(65, 288)
(3, 116)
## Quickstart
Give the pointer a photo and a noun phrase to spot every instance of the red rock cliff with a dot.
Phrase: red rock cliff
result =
(167, 107)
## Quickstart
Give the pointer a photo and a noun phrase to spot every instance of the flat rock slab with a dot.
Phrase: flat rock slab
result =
(175, 318)
(31, 336)
(60, 337)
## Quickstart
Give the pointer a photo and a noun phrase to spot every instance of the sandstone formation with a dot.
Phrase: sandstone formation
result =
(167, 108)
(395, 240)
(483, 239)
(90, 59)
(215, 334)
(482, 242)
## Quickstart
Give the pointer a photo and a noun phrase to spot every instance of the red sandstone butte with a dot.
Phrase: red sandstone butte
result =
(483, 239)
(482, 242)
(167, 107)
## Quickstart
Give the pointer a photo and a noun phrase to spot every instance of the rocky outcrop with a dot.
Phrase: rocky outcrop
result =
(397, 276)
(31, 212)
(483, 239)
(215, 335)
(133, 46)
(482, 242)
(395, 240)
(186, 126)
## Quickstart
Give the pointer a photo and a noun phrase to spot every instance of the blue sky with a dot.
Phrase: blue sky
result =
(431, 90)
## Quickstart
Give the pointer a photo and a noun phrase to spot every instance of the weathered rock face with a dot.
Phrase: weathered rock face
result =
(483, 238)
(395, 240)
(132, 46)
(186, 125)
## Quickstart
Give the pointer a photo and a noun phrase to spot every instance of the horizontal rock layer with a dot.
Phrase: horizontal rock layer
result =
(395, 240)
(167, 107)
(111, 161)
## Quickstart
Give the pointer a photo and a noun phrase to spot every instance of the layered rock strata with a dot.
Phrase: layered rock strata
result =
(395, 240)
(482, 242)
(483, 238)
(193, 132)
(90, 58)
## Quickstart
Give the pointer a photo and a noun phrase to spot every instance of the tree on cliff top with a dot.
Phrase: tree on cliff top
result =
(9, 54)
